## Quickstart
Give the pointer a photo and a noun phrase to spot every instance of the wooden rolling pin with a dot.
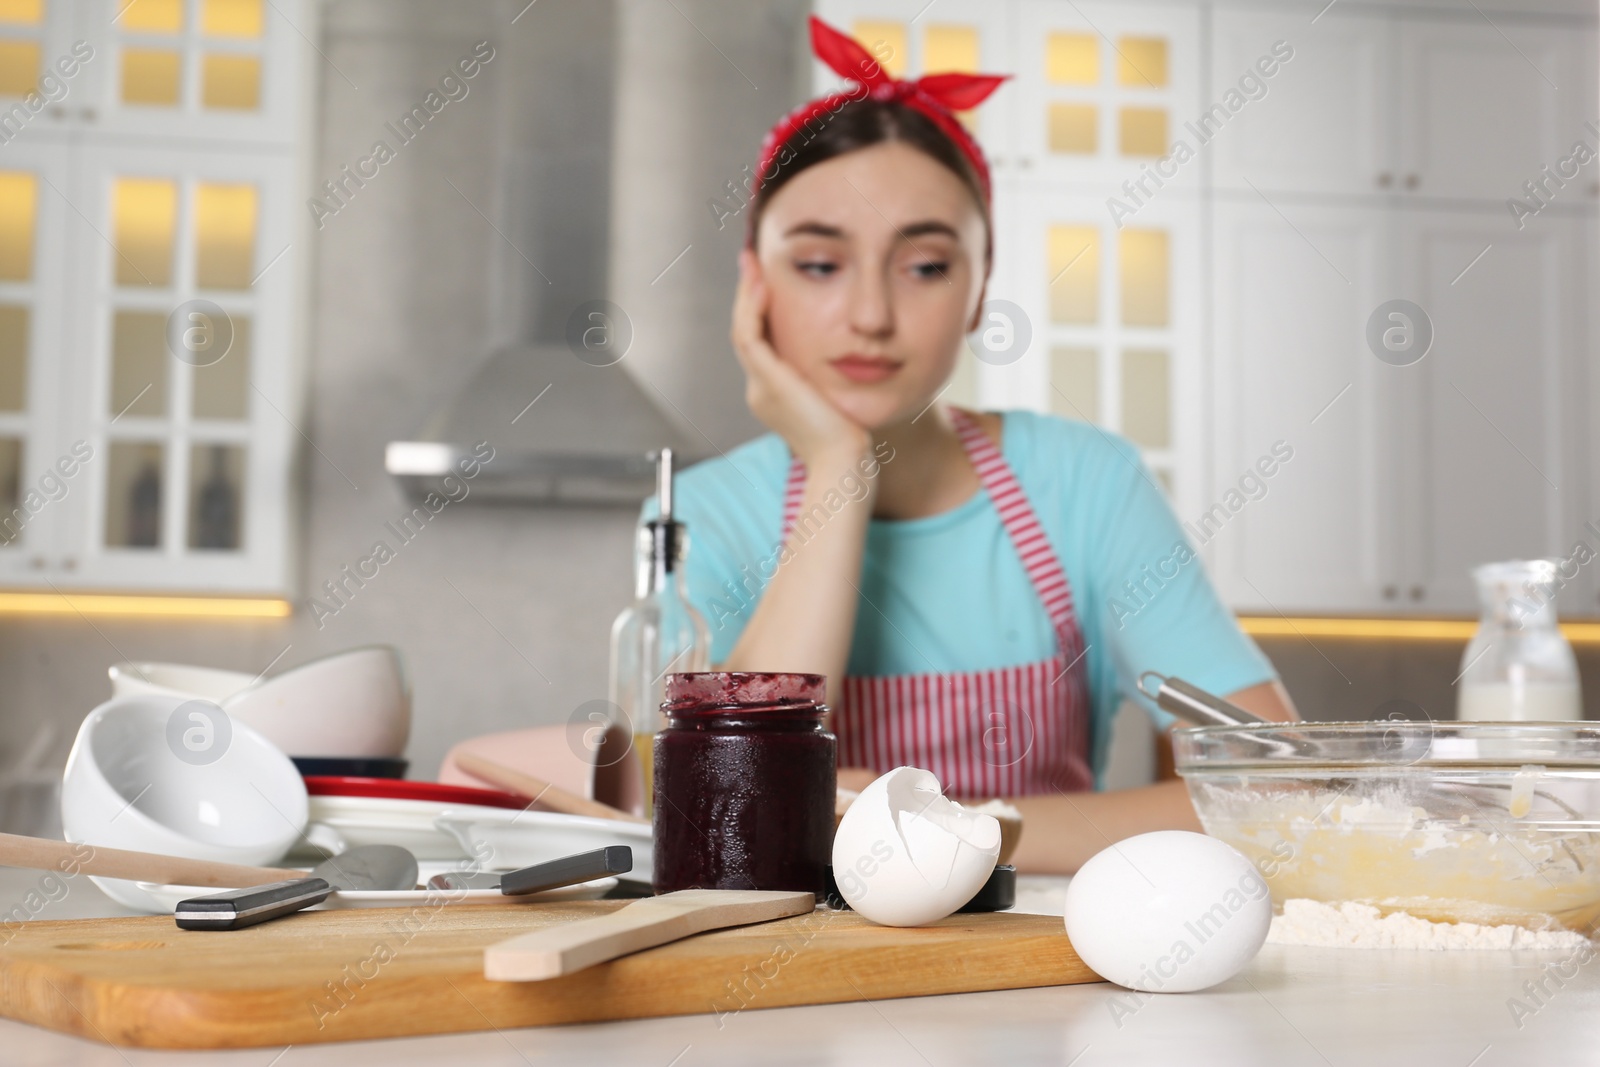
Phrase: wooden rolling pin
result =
(551, 796)
(44, 854)
(557, 950)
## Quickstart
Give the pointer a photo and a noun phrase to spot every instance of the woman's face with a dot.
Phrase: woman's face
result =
(874, 261)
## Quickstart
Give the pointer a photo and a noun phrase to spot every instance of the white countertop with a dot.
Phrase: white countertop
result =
(1289, 1006)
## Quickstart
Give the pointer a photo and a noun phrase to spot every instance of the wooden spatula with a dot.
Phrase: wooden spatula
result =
(551, 796)
(48, 855)
(646, 923)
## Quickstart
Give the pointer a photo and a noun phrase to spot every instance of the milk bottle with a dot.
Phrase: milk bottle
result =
(1518, 666)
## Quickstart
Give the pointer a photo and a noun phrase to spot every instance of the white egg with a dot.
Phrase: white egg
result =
(906, 855)
(1168, 912)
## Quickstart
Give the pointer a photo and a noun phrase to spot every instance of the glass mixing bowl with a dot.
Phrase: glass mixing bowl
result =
(1456, 822)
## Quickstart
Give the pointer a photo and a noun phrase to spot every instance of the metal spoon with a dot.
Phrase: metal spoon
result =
(1193, 704)
(1201, 708)
(365, 867)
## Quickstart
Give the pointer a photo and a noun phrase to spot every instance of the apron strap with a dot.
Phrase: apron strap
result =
(1027, 532)
(1039, 559)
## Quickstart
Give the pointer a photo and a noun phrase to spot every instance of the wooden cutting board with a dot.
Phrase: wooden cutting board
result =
(357, 974)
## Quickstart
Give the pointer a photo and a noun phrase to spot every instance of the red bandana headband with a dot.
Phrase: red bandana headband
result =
(937, 96)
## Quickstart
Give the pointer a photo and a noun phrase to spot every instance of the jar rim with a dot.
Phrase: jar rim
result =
(742, 690)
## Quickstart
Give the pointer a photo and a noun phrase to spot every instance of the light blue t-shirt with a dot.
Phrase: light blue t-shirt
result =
(948, 592)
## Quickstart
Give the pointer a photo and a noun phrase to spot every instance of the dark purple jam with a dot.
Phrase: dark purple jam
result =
(744, 783)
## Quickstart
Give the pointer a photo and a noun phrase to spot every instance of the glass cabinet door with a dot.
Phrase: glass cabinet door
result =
(150, 153)
(1104, 96)
(1115, 324)
(185, 385)
(38, 470)
(218, 69)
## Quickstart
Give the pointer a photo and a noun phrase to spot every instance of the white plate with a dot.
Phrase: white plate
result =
(503, 838)
(164, 898)
(336, 824)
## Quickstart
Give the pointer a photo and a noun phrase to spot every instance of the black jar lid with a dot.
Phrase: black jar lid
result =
(999, 893)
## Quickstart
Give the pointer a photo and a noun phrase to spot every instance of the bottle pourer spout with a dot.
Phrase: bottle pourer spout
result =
(664, 483)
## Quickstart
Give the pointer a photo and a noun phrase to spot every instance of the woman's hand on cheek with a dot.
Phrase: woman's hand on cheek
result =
(778, 394)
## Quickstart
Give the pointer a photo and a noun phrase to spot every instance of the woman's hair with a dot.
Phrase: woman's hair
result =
(861, 124)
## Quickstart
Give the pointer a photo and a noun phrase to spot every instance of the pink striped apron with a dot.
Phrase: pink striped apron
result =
(1009, 731)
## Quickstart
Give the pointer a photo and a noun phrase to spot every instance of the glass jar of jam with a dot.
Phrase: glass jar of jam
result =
(744, 783)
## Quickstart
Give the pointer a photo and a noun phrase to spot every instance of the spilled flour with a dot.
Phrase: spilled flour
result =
(1350, 925)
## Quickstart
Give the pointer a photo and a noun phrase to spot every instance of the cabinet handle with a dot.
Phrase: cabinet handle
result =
(87, 114)
(37, 563)
(70, 563)
(1385, 180)
(1412, 181)
(1418, 592)
(1390, 592)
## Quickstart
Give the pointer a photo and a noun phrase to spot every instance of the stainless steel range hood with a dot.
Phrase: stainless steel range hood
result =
(563, 432)
(612, 125)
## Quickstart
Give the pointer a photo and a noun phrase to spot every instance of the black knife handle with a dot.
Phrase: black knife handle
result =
(239, 908)
(568, 870)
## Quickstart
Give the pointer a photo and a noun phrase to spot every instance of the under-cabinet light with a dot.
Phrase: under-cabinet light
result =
(1586, 632)
(138, 605)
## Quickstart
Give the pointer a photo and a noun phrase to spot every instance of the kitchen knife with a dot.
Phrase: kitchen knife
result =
(366, 867)
(552, 874)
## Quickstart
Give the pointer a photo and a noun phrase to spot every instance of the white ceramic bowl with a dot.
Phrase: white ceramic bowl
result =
(177, 679)
(353, 703)
(126, 787)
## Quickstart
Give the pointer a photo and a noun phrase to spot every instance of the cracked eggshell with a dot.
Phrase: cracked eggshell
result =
(907, 855)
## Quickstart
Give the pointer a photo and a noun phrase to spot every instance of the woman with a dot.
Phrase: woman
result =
(951, 572)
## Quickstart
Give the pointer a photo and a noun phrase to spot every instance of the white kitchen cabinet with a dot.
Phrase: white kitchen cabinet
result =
(1103, 91)
(1475, 453)
(1323, 124)
(35, 314)
(1417, 473)
(1483, 107)
(1374, 164)
(169, 171)
(1291, 297)
(1373, 102)
(191, 473)
(1490, 460)
(213, 71)
(1116, 322)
